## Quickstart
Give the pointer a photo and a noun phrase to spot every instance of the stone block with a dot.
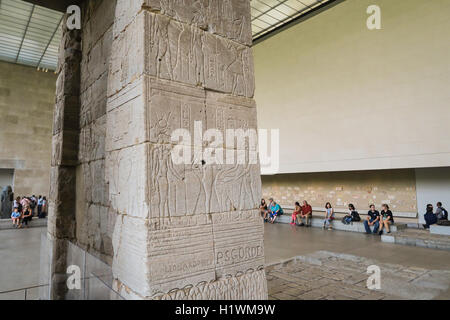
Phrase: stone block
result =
(65, 114)
(179, 257)
(127, 123)
(96, 186)
(174, 51)
(68, 81)
(130, 243)
(95, 62)
(226, 112)
(93, 101)
(98, 18)
(173, 106)
(127, 175)
(92, 141)
(238, 242)
(230, 18)
(128, 55)
(64, 148)
(61, 215)
(440, 230)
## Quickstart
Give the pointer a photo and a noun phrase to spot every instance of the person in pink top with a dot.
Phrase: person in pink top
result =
(297, 211)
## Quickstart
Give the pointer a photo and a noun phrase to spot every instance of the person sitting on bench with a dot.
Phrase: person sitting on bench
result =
(297, 211)
(275, 211)
(329, 216)
(386, 219)
(373, 219)
(306, 215)
(430, 217)
(441, 213)
(263, 209)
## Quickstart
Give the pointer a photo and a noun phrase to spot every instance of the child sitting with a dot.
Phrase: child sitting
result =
(15, 216)
(297, 211)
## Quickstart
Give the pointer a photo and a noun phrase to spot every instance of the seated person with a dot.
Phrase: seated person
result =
(386, 219)
(329, 216)
(27, 216)
(263, 209)
(441, 213)
(275, 211)
(297, 211)
(351, 215)
(306, 215)
(373, 219)
(15, 216)
(430, 217)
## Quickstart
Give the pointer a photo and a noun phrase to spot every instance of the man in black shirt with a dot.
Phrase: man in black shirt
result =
(373, 219)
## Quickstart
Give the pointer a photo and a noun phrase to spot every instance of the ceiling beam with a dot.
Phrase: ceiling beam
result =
(58, 5)
(25, 33)
(49, 41)
(324, 5)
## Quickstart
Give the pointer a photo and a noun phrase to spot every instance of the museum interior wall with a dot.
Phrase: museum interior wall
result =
(433, 185)
(361, 188)
(27, 99)
(349, 98)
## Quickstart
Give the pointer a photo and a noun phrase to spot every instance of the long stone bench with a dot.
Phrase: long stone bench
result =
(317, 222)
(418, 238)
(6, 224)
(440, 230)
(396, 214)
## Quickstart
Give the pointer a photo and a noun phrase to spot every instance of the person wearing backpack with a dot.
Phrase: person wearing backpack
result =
(441, 213)
(352, 215)
(373, 219)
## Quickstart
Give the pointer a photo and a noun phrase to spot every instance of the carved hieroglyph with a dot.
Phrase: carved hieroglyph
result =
(190, 230)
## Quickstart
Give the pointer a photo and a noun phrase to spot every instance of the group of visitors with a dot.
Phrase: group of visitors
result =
(376, 222)
(270, 211)
(437, 217)
(25, 208)
(379, 220)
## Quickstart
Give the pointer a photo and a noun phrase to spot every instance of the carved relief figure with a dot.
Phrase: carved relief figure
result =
(162, 45)
(162, 167)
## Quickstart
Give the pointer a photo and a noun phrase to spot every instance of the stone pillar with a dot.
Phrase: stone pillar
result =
(61, 219)
(183, 231)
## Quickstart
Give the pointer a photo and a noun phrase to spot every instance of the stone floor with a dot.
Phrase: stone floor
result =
(20, 260)
(329, 276)
(282, 242)
(420, 273)
(418, 238)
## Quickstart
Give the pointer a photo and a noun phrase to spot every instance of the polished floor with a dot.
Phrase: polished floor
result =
(20, 251)
(20, 261)
(283, 242)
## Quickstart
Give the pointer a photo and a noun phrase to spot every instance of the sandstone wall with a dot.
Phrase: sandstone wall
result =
(175, 63)
(138, 71)
(27, 98)
(94, 221)
(362, 188)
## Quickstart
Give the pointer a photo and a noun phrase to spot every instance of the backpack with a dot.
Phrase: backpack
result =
(281, 212)
(445, 213)
(445, 223)
(355, 216)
